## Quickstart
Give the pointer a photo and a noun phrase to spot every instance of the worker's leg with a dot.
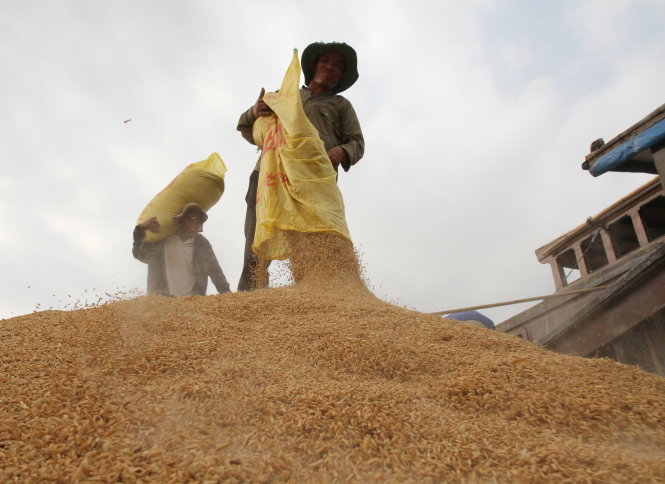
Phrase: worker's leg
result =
(247, 278)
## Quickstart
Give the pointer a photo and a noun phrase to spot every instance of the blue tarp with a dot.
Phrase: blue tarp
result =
(472, 316)
(613, 160)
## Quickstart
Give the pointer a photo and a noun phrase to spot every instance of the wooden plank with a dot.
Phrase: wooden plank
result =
(517, 301)
(601, 327)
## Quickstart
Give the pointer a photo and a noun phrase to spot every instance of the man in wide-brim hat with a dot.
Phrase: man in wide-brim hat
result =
(329, 68)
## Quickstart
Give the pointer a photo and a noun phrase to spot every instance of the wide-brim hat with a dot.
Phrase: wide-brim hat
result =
(187, 208)
(313, 51)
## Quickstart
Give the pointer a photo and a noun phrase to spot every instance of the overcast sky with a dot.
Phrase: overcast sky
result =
(477, 116)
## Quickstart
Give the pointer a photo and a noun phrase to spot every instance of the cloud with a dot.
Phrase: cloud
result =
(477, 116)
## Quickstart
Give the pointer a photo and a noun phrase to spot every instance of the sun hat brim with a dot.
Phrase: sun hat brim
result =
(189, 207)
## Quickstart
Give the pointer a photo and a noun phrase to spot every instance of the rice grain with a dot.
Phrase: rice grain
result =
(314, 382)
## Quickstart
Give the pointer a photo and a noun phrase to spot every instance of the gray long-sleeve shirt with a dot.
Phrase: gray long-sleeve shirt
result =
(332, 115)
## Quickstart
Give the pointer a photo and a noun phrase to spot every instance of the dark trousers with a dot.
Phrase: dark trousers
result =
(248, 276)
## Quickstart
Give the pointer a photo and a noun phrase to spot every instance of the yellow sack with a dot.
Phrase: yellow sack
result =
(297, 183)
(201, 183)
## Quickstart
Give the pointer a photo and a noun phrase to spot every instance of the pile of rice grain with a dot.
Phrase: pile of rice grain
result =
(311, 383)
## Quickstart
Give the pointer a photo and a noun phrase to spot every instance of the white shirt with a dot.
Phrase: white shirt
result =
(179, 261)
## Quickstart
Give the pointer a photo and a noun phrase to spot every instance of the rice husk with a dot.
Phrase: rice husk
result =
(314, 382)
